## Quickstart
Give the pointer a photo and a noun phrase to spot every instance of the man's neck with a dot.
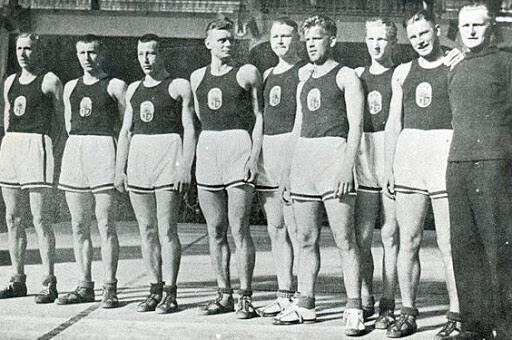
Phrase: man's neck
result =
(323, 68)
(219, 66)
(433, 60)
(285, 64)
(154, 78)
(93, 77)
(379, 67)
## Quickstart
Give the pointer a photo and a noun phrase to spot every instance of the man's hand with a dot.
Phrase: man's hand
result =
(251, 171)
(453, 57)
(343, 183)
(284, 190)
(120, 182)
(183, 179)
(389, 191)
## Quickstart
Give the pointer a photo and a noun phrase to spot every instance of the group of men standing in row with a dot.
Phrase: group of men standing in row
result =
(411, 133)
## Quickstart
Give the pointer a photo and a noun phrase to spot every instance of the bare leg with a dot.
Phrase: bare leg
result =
(167, 203)
(389, 235)
(39, 208)
(308, 236)
(410, 213)
(279, 238)
(239, 208)
(108, 233)
(442, 220)
(16, 230)
(80, 208)
(340, 214)
(366, 214)
(144, 206)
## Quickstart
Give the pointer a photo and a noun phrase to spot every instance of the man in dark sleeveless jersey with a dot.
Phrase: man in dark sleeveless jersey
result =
(416, 159)
(280, 105)
(327, 134)
(227, 99)
(479, 179)
(371, 201)
(93, 109)
(157, 140)
(32, 97)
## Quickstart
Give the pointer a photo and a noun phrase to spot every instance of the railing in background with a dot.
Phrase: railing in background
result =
(335, 7)
(56, 4)
(199, 6)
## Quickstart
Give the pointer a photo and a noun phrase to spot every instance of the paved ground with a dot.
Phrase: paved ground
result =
(22, 319)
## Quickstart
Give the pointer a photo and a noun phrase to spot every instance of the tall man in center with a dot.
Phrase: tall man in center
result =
(327, 132)
(227, 98)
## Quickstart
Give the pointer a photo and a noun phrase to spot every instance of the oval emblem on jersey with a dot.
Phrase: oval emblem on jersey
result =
(85, 107)
(374, 102)
(275, 96)
(215, 98)
(147, 111)
(20, 105)
(423, 94)
(314, 101)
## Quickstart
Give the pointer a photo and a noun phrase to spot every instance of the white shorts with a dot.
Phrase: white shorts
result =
(421, 159)
(26, 161)
(270, 163)
(221, 159)
(370, 162)
(88, 164)
(315, 165)
(152, 162)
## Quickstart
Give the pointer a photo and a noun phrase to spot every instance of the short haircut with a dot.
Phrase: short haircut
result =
(150, 37)
(422, 14)
(322, 21)
(91, 38)
(31, 36)
(389, 25)
(220, 24)
(480, 5)
(287, 21)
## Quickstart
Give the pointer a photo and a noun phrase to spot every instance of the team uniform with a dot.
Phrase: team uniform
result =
(224, 145)
(26, 156)
(279, 94)
(370, 158)
(479, 181)
(88, 162)
(422, 149)
(156, 144)
(316, 162)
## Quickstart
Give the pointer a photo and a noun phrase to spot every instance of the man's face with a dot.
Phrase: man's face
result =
(474, 27)
(318, 44)
(89, 55)
(424, 37)
(220, 42)
(25, 52)
(377, 42)
(149, 56)
(283, 39)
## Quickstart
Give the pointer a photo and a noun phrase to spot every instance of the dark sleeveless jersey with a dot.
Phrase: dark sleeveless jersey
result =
(93, 110)
(30, 109)
(377, 90)
(425, 98)
(323, 107)
(280, 100)
(155, 111)
(223, 103)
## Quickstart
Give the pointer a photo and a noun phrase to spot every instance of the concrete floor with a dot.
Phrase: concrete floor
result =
(21, 318)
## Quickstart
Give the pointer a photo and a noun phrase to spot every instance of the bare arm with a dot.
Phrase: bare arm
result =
(249, 78)
(68, 89)
(284, 185)
(195, 79)
(394, 124)
(349, 82)
(180, 88)
(124, 141)
(117, 90)
(52, 86)
(7, 106)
